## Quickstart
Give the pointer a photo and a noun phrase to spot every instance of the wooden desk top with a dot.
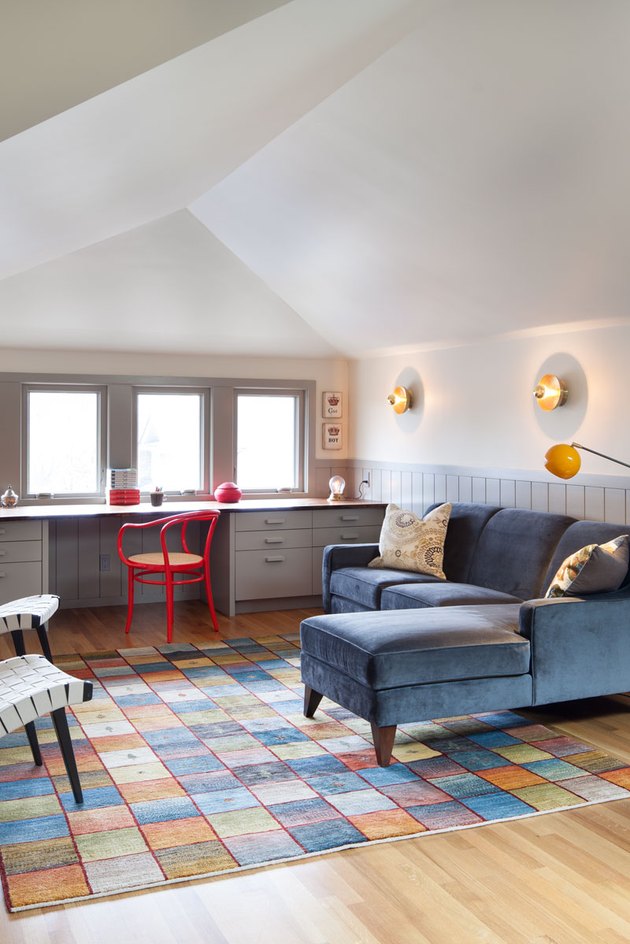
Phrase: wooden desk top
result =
(52, 512)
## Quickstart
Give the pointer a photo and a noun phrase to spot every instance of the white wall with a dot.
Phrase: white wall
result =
(328, 374)
(475, 408)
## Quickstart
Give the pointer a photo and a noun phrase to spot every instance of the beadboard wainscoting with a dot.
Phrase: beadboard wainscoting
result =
(602, 498)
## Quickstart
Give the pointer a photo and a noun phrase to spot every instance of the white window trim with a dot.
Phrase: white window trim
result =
(101, 434)
(204, 428)
(303, 447)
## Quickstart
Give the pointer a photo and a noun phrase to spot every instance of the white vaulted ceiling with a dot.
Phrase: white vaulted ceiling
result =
(314, 177)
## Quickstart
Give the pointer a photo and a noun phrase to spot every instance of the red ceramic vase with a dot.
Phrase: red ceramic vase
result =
(227, 492)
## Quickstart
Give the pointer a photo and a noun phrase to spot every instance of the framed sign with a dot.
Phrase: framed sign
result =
(331, 405)
(331, 435)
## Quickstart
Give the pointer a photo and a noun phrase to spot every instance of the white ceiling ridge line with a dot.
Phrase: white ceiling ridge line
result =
(139, 151)
(558, 328)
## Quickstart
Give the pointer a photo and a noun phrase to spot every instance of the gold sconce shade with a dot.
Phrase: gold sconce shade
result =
(550, 392)
(564, 461)
(400, 399)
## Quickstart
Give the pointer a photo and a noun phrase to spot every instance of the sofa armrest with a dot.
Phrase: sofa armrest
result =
(580, 645)
(343, 555)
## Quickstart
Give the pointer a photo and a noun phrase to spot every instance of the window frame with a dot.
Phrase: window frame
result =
(101, 435)
(205, 430)
(303, 446)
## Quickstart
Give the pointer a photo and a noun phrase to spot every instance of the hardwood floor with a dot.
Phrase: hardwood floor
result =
(561, 878)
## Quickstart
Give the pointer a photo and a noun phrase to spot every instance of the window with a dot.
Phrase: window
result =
(170, 444)
(64, 446)
(270, 440)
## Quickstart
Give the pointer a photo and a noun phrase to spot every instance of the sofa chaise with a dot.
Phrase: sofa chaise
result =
(398, 647)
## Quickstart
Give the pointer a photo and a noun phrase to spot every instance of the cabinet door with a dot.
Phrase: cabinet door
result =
(264, 575)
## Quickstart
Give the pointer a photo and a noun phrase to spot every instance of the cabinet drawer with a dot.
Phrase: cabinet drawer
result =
(273, 520)
(274, 573)
(358, 516)
(270, 540)
(20, 580)
(20, 530)
(349, 534)
(20, 551)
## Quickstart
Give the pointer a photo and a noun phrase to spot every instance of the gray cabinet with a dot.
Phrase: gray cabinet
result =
(342, 526)
(23, 559)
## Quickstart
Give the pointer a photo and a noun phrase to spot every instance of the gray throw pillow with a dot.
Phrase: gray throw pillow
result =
(596, 568)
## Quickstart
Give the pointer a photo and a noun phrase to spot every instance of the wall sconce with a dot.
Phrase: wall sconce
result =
(400, 399)
(564, 460)
(336, 486)
(550, 392)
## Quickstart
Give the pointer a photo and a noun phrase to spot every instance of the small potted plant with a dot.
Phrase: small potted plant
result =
(157, 496)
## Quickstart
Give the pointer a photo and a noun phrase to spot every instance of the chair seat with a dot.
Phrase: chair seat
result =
(156, 559)
(31, 687)
(28, 612)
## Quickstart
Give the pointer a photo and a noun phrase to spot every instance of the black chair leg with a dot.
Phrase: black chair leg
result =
(65, 743)
(18, 641)
(42, 635)
(32, 740)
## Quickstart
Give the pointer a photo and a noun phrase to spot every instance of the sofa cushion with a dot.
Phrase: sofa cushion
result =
(514, 551)
(441, 644)
(441, 594)
(408, 542)
(595, 568)
(364, 586)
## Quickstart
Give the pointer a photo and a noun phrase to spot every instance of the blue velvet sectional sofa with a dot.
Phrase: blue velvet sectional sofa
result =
(397, 647)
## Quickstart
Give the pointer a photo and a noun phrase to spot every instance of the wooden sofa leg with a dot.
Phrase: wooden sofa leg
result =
(383, 743)
(311, 701)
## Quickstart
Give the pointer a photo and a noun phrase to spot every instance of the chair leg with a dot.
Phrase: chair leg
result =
(42, 635)
(169, 607)
(67, 751)
(34, 743)
(18, 641)
(210, 598)
(130, 591)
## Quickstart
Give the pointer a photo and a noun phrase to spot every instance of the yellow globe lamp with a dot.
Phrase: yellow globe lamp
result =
(563, 460)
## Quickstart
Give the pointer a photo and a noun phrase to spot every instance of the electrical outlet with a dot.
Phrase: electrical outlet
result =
(105, 563)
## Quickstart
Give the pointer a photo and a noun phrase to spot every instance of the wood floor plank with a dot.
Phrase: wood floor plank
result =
(561, 878)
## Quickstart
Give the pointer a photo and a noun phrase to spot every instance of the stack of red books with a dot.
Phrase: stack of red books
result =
(124, 496)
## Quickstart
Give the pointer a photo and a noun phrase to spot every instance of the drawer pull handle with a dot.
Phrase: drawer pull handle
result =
(274, 540)
(349, 517)
(275, 520)
(2, 574)
(2, 553)
(274, 560)
(349, 537)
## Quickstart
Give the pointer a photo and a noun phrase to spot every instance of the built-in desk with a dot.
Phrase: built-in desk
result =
(267, 553)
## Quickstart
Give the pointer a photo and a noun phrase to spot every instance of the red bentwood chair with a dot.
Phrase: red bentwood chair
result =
(177, 558)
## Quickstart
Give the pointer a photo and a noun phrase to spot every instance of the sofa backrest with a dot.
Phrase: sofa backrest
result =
(514, 551)
(578, 535)
(465, 526)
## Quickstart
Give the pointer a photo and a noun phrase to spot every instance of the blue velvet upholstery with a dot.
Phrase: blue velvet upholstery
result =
(385, 650)
(514, 551)
(465, 527)
(408, 703)
(364, 586)
(441, 594)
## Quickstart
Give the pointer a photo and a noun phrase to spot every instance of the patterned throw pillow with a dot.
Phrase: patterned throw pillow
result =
(411, 543)
(596, 568)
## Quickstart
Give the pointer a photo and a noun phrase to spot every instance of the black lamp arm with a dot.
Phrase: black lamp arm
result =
(602, 454)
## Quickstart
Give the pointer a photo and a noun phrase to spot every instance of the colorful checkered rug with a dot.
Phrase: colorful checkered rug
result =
(197, 762)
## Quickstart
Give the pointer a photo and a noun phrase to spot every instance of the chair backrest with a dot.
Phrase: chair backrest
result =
(173, 523)
(182, 521)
